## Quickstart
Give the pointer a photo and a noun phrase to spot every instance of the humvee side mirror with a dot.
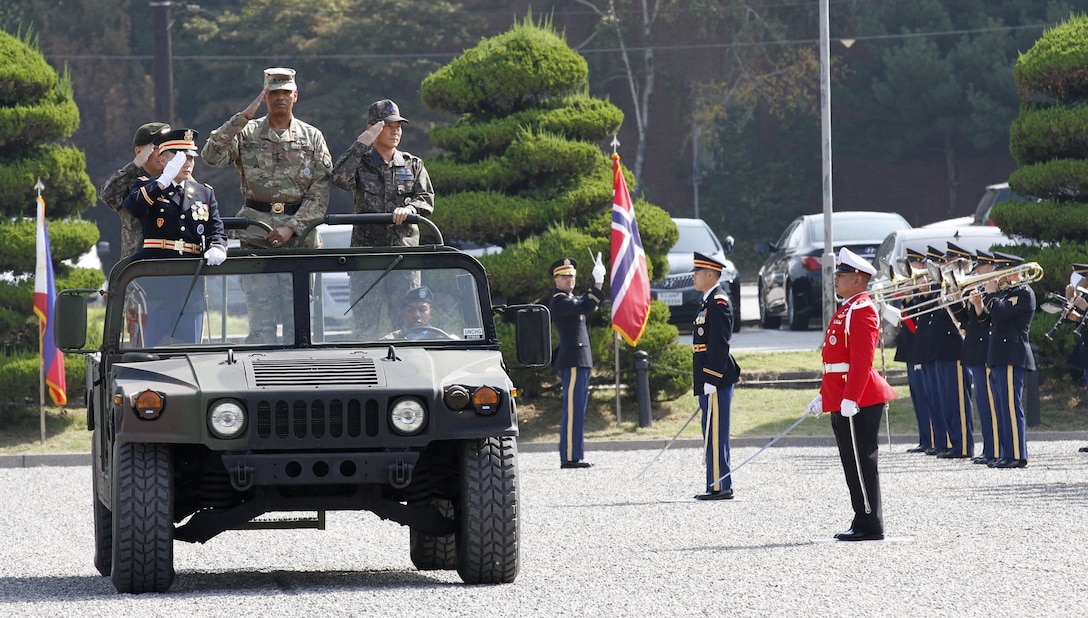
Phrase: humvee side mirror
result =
(70, 320)
(534, 336)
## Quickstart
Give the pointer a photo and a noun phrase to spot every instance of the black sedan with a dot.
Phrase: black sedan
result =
(790, 280)
(677, 289)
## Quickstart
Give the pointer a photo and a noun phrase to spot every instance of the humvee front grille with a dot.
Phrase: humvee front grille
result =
(317, 419)
(314, 372)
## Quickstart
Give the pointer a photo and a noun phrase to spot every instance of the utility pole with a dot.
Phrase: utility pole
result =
(164, 62)
(825, 148)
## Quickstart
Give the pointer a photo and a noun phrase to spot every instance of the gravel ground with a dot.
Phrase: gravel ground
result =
(962, 540)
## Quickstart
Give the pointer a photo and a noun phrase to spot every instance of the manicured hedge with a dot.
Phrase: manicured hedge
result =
(62, 169)
(19, 381)
(1045, 131)
(25, 76)
(22, 126)
(68, 240)
(1047, 221)
(1057, 65)
(1061, 180)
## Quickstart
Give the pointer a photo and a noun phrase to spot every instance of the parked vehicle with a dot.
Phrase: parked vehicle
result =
(969, 237)
(677, 288)
(790, 280)
(196, 437)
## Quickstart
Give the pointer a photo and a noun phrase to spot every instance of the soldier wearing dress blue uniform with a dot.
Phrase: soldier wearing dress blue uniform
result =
(573, 357)
(906, 351)
(855, 393)
(179, 217)
(1079, 356)
(715, 374)
(976, 346)
(1011, 306)
(956, 381)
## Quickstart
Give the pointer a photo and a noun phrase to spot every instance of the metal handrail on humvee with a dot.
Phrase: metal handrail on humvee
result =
(201, 427)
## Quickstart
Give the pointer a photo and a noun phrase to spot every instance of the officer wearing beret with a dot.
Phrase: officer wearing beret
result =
(284, 167)
(384, 179)
(179, 217)
(715, 374)
(855, 394)
(573, 357)
(976, 347)
(1075, 292)
(142, 168)
(1011, 306)
(906, 351)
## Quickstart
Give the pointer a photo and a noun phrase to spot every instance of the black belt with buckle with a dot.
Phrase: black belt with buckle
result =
(279, 208)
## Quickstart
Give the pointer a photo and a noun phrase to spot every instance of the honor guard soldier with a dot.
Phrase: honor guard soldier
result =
(1074, 292)
(955, 381)
(144, 166)
(573, 357)
(1011, 306)
(976, 347)
(853, 391)
(179, 218)
(906, 352)
(715, 374)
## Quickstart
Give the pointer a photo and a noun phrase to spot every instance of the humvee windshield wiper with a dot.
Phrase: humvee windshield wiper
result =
(376, 282)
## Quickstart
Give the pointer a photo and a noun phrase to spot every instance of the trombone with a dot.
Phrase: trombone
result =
(955, 284)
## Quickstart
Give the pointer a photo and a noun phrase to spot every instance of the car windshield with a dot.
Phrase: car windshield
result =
(341, 305)
(696, 238)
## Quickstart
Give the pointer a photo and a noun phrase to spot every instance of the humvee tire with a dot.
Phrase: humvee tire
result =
(103, 524)
(143, 526)
(487, 540)
(434, 553)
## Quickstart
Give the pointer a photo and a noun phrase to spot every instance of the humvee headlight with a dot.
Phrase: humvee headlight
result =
(408, 416)
(149, 404)
(227, 419)
(486, 400)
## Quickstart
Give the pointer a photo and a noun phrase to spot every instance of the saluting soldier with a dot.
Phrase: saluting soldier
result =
(1011, 307)
(976, 347)
(142, 168)
(853, 391)
(715, 374)
(179, 218)
(573, 357)
(284, 167)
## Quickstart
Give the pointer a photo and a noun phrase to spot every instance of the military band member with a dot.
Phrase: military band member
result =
(143, 167)
(1011, 306)
(955, 382)
(573, 358)
(1079, 356)
(716, 374)
(906, 351)
(976, 346)
(179, 218)
(853, 391)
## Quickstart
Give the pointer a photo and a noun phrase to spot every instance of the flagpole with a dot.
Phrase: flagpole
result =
(41, 344)
(616, 347)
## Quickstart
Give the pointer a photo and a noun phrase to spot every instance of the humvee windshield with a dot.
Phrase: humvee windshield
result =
(349, 300)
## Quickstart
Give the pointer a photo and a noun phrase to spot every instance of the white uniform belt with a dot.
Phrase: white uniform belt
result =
(172, 245)
(836, 367)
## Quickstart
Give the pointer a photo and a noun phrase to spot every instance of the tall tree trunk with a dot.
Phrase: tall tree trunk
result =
(950, 170)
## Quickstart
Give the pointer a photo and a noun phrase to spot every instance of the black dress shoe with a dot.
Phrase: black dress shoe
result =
(575, 464)
(931, 451)
(996, 461)
(1011, 463)
(851, 535)
(716, 495)
(982, 460)
(951, 455)
(921, 449)
(1083, 449)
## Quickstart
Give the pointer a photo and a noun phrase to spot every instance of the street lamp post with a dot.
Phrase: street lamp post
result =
(164, 59)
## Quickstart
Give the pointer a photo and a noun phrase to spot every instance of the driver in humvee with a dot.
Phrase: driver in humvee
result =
(415, 317)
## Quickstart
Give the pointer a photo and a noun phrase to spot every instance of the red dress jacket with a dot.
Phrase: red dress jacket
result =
(849, 347)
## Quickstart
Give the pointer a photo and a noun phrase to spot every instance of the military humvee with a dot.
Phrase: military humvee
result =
(205, 432)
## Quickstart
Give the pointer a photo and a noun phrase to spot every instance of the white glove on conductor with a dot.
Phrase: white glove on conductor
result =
(215, 255)
(171, 170)
(816, 406)
(849, 408)
(709, 389)
(598, 270)
(367, 137)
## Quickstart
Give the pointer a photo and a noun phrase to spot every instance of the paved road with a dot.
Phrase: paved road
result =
(963, 540)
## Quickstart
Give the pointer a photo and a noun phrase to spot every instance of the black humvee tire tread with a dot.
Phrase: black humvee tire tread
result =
(434, 553)
(143, 526)
(488, 537)
(103, 523)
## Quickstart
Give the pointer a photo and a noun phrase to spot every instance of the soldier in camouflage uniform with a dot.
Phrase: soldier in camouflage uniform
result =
(284, 165)
(383, 180)
(142, 168)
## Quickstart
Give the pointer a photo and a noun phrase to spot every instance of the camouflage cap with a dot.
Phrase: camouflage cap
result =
(147, 133)
(279, 79)
(384, 110)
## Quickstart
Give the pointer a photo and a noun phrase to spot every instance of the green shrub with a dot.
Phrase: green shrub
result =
(68, 240)
(487, 216)
(1045, 221)
(1057, 65)
(19, 378)
(25, 76)
(1061, 180)
(28, 125)
(68, 189)
(1044, 132)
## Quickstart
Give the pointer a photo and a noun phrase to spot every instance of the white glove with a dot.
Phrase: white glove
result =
(816, 406)
(709, 389)
(598, 270)
(143, 154)
(171, 170)
(849, 408)
(215, 255)
(367, 137)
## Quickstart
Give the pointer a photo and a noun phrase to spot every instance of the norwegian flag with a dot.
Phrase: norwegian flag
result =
(44, 295)
(630, 277)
